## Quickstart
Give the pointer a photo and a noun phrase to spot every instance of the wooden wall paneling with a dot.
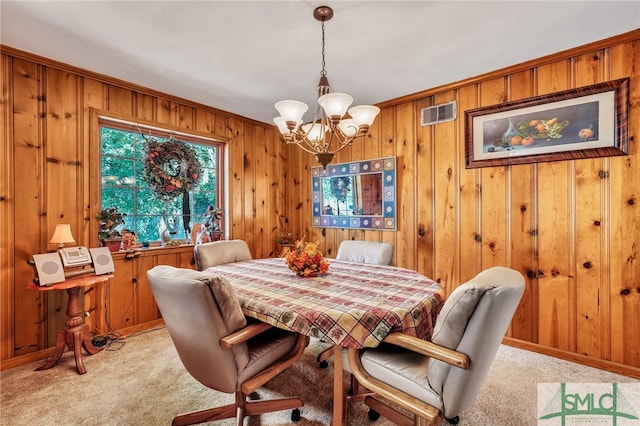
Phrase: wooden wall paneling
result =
(523, 250)
(494, 191)
(463, 188)
(624, 236)
(91, 298)
(263, 202)
(424, 195)
(589, 262)
(186, 116)
(292, 221)
(556, 253)
(145, 106)
(280, 176)
(64, 175)
(235, 173)
(120, 294)
(29, 208)
(591, 247)
(222, 127)
(146, 308)
(205, 122)
(166, 111)
(185, 259)
(445, 213)
(274, 203)
(120, 100)
(405, 141)
(382, 134)
(320, 235)
(248, 138)
(94, 98)
(556, 213)
(7, 215)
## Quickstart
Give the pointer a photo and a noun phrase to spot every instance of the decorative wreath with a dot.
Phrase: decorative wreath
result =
(170, 168)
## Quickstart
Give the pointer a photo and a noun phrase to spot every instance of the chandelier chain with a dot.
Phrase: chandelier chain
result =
(323, 72)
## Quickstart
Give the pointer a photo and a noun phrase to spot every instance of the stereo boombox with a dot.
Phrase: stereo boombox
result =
(51, 266)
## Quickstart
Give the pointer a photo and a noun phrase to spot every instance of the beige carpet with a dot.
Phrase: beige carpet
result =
(144, 383)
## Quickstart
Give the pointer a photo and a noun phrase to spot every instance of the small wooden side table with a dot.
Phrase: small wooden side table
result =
(77, 335)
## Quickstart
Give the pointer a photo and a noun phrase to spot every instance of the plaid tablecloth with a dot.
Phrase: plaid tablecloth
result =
(354, 305)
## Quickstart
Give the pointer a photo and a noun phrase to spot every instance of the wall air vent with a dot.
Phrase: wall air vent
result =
(438, 113)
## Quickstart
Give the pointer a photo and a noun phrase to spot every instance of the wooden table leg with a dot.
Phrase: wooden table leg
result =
(76, 336)
(57, 353)
(339, 409)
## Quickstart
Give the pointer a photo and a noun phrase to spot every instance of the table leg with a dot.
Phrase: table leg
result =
(76, 336)
(57, 353)
(339, 409)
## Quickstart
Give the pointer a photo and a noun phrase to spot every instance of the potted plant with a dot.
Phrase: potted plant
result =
(213, 223)
(109, 219)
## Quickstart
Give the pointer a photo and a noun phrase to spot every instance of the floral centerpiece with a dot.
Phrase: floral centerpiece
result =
(305, 259)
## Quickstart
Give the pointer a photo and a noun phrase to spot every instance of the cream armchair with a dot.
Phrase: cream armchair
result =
(218, 347)
(441, 378)
(220, 252)
(365, 252)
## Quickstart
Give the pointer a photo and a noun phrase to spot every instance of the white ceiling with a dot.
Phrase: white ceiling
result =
(243, 56)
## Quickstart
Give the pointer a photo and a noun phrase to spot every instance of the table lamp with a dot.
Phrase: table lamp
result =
(62, 235)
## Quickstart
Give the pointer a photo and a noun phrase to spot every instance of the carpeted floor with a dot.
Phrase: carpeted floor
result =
(144, 383)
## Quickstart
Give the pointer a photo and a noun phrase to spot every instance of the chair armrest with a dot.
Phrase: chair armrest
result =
(397, 396)
(429, 349)
(244, 334)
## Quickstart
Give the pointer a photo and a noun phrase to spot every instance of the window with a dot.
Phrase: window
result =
(148, 214)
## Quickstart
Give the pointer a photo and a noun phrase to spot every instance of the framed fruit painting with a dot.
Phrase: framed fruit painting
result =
(587, 122)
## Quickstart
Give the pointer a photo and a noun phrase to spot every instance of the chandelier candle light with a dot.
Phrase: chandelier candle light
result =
(329, 132)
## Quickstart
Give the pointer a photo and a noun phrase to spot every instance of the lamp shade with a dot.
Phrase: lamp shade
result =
(62, 235)
(282, 125)
(313, 131)
(292, 110)
(364, 114)
(335, 104)
(349, 127)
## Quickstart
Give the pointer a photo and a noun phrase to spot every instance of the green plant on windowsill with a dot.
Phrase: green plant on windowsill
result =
(109, 219)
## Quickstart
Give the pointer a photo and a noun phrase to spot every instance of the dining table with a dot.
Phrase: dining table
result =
(353, 305)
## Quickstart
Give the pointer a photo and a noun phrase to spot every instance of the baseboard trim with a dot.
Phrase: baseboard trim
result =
(601, 364)
(45, 353)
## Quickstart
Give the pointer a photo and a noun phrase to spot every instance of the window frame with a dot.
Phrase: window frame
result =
(101, 119)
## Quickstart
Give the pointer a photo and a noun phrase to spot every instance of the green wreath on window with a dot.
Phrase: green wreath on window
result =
(170, 168)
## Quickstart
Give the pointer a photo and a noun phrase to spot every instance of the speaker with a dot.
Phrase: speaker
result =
(102, 260)
(49, 267)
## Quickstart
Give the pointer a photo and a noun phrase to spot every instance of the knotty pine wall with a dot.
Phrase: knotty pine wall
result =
(574, 235)
(50, 174)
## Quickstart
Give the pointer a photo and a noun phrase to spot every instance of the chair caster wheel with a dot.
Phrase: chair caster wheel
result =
(454, 420)
(323, 364)
(295, 415)
(373, 415)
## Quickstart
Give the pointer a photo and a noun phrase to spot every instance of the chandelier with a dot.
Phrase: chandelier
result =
(329, 132)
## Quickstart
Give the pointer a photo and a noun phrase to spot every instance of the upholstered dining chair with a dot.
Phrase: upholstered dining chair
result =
(371, 252)
(365, 252)
(441, 378)
(220, 252)
(217, 346)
